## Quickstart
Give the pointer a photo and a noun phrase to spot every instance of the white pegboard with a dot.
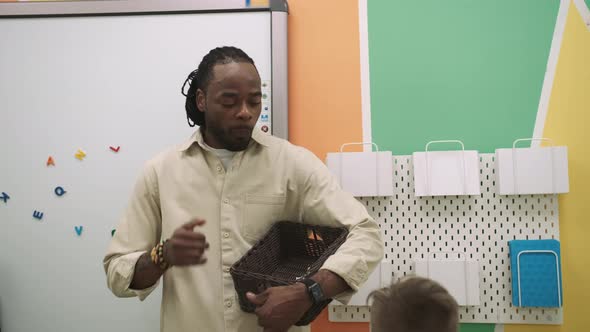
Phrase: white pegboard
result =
(477, 226)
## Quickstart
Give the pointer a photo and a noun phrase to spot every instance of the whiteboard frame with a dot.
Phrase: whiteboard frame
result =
(130, 7)
(279, 30)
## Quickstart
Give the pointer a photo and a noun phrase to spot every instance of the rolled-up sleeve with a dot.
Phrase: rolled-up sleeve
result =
(324, 202)
(137, 232)
(120, 273)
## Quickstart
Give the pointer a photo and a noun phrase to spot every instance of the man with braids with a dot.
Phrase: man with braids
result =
(199, 206)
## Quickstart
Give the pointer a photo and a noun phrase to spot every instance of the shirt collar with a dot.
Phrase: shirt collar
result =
(197, 137)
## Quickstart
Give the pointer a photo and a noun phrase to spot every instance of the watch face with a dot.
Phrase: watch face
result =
(316, 292)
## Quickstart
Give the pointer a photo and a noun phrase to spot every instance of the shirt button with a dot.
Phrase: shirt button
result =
(225, 200)
(228, 303)
(226, 269)
(219, 168)
(226, 235)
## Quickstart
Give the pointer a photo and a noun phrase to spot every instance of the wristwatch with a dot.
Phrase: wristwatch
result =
(314, 290)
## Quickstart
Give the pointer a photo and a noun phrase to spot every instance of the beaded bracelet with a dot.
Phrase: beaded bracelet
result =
(157, 255)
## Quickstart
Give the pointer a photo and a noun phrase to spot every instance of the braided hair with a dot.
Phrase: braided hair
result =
(200, 77)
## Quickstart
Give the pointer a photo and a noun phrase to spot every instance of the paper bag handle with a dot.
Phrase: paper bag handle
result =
(514, 161)
(376, 161)
(359, 143)
(428, 169)
(446, 141)
(532, 139)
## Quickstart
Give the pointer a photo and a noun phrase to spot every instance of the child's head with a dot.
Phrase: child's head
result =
(414, 305)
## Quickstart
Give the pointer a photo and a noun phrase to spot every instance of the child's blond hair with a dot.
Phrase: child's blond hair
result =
(414, 305)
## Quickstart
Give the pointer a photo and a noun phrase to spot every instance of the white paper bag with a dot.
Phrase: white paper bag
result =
(381, 277)
(363, 173)
(439, 173)
(539, 170)
(459, 276)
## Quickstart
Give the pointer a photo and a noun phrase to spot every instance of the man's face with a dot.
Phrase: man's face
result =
(231, 105)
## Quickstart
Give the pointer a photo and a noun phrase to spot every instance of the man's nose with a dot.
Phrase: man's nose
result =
(244, 112)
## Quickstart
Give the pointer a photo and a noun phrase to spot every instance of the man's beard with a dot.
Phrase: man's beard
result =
(224, 137)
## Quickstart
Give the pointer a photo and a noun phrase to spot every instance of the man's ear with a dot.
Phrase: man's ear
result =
(201, 103)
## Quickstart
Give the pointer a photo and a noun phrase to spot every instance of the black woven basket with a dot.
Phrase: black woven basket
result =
(287, 252)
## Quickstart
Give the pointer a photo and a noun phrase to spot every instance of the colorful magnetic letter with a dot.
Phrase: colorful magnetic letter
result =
(5, 197)
(59, 191)
(80, 154)
(78, 230)
(37, 214)
(50, 161)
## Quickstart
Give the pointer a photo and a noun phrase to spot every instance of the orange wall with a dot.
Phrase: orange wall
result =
(324, 74)
(324, 89)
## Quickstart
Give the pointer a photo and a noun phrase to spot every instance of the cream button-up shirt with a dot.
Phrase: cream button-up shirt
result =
(271, 180)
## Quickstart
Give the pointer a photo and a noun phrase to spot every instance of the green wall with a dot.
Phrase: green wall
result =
(464, 69)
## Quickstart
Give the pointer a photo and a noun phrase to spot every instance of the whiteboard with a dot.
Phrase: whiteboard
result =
(91, 83)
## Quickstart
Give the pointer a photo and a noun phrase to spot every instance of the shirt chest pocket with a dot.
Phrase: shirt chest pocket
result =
(259, 213)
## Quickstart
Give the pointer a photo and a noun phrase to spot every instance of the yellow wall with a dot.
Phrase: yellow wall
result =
(567, 124)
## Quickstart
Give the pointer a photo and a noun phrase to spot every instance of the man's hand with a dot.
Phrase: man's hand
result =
(278, 308)
(186, 247)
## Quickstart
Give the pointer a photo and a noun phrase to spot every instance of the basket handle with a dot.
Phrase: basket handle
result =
(315, 234)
